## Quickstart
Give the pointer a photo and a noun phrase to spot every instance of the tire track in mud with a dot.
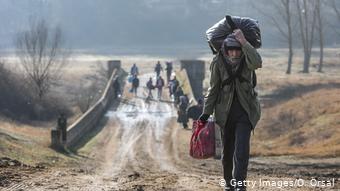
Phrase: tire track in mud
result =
(142, 154)
(149, 150)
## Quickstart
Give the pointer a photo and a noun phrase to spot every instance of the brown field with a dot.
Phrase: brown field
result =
(300, 121)
(292, 103)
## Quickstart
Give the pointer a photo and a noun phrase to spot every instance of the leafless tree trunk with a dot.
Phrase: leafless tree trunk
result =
(334, 5)
(286, 4)
(320, 29)
(306, 11)
(41, 56)
(336, 9)
(283, 9)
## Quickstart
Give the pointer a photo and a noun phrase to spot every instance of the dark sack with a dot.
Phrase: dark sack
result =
(218, 32)
(202, 144)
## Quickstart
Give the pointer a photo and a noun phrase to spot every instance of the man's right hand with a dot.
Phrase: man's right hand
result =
(204, 117)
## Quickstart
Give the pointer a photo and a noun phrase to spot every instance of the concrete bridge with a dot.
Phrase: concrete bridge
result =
(191, 76)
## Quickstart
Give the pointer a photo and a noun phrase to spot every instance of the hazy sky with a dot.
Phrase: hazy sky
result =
(135, 25)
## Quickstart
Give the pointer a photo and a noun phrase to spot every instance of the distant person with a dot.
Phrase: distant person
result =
(168, 71)
(116, 88)
(182, 111)
(173, 86)
(135, 84)
(62, 126)
(159, 86)
(158, 69)
(134, 70)
(232, 98)
(150, 87)
(195, 111)
(179, 92)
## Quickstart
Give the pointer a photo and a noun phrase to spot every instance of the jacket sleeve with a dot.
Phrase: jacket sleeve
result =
(253, 58)
(213, 91)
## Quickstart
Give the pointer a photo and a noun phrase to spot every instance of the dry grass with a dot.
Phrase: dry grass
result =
(307, 124)
(303, 115)
(30, 144)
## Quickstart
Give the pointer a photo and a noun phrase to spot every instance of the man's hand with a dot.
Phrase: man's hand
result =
(240, 37)
(204, 117)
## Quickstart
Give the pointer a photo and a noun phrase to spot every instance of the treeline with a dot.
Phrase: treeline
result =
(305, 22)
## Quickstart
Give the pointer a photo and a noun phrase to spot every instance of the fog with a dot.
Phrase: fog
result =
(134, 26)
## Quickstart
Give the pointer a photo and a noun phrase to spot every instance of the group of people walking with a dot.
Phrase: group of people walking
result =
(158, 83)
(181, 100)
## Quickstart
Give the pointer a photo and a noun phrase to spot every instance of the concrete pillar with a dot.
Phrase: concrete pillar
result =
(196, 73)
(111, 65)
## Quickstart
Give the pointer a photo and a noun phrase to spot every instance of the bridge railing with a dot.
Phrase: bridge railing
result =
(90, 118)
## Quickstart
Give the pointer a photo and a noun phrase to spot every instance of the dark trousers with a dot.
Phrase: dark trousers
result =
(63, 134)
(235, 140)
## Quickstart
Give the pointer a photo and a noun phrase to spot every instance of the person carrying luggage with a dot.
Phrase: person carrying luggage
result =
(233, 100)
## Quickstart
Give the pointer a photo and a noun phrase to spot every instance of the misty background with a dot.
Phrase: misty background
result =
(164, 27)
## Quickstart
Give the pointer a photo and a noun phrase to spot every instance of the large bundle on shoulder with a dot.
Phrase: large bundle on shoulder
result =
(218, 32)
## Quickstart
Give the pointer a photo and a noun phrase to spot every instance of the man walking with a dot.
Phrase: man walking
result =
(159, 85)
(168, 71)
(62, 126)
(233, 100)
(150, 87)
(134, 70)
(182, 111)
(158, 69)
(135, 84)
(174, 83)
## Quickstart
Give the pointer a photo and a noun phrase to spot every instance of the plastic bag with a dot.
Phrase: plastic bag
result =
(218, 32)
(202, 144)
(130, 78)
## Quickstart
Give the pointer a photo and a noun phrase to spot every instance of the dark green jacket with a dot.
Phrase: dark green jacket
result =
(218, 100)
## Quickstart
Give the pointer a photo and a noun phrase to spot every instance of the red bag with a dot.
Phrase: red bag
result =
(202, 144)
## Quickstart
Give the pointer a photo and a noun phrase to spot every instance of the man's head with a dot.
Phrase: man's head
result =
(232, 47)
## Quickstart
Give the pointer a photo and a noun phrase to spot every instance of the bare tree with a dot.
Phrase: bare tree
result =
(320, 30)
(283, 14)
(334, 5)
(41, 56)
(336, 8)
(306, 13)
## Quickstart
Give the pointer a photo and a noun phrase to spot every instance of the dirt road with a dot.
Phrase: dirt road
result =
(142, 147)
